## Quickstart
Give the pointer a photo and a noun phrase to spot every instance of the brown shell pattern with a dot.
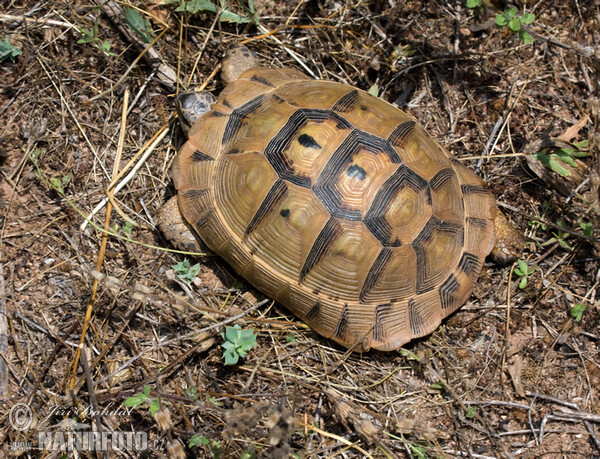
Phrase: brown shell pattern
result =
(337, 205)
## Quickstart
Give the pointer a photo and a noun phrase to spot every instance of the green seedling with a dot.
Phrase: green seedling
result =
(143, 398)
(60, 184)
(225, 15)
(474, 4)
(185, 271)
(524, 271)
(8, 50)
(139, 24)
(237, 343)
(515, 23)
(587, 228)
(577, 312)
(213, 446)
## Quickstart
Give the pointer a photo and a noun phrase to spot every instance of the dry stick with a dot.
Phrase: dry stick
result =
(90, 307)
(110, 345)
(92, 395)
(3, 336)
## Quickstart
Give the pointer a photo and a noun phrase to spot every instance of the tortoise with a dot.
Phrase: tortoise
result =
(332, 202)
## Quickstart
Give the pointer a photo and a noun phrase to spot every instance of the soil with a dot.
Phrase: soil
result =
(94, 316)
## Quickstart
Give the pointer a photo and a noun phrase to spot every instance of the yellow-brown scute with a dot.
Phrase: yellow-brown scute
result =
(337, 205)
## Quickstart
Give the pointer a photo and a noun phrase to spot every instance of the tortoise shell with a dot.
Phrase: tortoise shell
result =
(337, 205)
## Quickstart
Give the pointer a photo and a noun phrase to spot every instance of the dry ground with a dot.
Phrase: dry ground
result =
(510, 374)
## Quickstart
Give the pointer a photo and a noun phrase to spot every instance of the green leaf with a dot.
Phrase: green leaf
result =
(154, 406)
(470, 412)
(237, 343)
(525, 37)
(231, 357)
(510, 13)
(577, 312)
(88, 36)
(514, 25)
(473, 3)
(587, 228)
(185, 271)
(523, 268)
(527, 18)
(195, 6)
(139, 24)
(374, 90)
(8, 50)
(133, 401)
(198, 440)
(230, 16)
(523, 282)
(501, 21)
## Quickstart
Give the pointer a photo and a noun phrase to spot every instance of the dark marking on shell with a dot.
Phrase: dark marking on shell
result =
(399, 135)
(381, 311)
(414, 318)
(237, 117)
(323, 242)
(277, 192)
(425, 284)
(284, 213)
(375, 217)
(440, 179)
(308, 141)
(313, 312)
(347, 102)
(275, 150)
(375, 272)
(447, 291)
(357, 172)
(342, 326)
(199, 156)
(261, 80)
(325, 186)
(470, 264)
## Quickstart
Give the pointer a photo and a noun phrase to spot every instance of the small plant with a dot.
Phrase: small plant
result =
(185, 271)
(587, 228)
(91, 36)
(237, 343)
(226, 15)
(143, 398)
(552, 159)
(471, 412)
(560, 237)
(214, 446)
(577, 312)
(515, 23)
(60, 184)
(8, 50)
(139, 24)
(510, 18)
(524, 271)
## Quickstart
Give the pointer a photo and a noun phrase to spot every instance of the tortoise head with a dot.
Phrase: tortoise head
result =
(192, 105)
